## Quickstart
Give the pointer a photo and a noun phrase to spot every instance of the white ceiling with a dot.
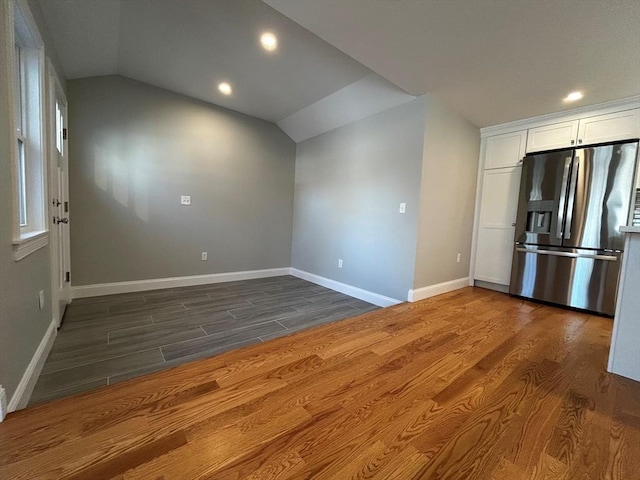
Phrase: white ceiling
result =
(189, 46)
(492, 60)
(370, 95)
(85, 35)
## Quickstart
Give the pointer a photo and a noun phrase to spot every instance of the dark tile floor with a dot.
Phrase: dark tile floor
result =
(104, 340)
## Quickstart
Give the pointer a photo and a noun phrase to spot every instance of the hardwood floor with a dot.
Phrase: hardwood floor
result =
(468, 385)
(105, 340)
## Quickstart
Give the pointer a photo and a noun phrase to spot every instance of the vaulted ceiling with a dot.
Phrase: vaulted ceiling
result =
(492, 60)
(338, 60)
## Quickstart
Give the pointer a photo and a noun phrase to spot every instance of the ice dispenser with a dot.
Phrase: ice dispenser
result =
(539, 215)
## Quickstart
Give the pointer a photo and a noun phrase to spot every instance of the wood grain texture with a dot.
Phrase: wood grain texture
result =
(101, 339)
(468, 385)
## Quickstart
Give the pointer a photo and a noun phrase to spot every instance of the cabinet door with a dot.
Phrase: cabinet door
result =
(498, 209)
(548, 137)
(505, 150)
(609, 128)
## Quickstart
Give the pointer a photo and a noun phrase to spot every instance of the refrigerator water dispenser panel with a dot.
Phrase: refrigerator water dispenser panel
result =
(539, 215)
(539, 222)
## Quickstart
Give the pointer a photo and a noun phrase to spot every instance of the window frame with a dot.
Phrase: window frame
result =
(25, 55)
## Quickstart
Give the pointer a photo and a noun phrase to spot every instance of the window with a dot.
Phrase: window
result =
(21, 168)
(59, 129)
(30, 228)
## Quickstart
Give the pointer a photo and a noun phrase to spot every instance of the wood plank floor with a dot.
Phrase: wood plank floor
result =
(468, 385)
(105, 340)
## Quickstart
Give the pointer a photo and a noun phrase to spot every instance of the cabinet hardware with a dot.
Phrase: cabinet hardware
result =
(610, 258)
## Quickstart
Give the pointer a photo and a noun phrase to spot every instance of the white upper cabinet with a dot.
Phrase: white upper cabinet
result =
(505, 150)
(586, 131)
(548, 137)
(609, 128)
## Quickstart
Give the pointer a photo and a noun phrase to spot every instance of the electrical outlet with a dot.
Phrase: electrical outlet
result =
(339, 263)
(204, 255)
(185, 200)
(403, 208)
(458, 258)
(41, 299)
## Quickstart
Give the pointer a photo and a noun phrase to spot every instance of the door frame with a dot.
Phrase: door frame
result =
(60, 297)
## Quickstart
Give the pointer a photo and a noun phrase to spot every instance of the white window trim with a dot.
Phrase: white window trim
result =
(27, 241)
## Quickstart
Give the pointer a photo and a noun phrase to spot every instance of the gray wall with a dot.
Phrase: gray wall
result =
(349, 184)
(449, 170)
(22, 324)
(135, 149)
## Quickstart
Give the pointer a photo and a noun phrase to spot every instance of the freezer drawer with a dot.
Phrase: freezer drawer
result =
(575, 278)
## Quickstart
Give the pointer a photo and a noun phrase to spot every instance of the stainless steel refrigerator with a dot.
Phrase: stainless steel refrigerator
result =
(568, 246)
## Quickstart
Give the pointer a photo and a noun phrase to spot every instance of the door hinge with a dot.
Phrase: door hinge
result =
(66, 207)
(67, 277)
(64, 133)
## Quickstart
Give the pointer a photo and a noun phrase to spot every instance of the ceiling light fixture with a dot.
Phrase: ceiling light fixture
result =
(225, 88)
(269, 41)
(573, 96)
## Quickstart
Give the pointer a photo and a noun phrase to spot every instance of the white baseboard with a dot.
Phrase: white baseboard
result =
(350, 290)
(21, 396)
(437, 289)
(100, 289)
(3, 404)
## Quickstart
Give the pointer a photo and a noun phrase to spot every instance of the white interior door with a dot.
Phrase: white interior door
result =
(59, 197)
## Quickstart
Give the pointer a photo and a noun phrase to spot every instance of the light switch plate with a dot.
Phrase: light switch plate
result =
(41, 299)
(185, 200)
(403, 208)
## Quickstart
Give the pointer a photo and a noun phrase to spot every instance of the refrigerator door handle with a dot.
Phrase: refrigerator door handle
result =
(563, 197)
(572, 197)
(610, 258)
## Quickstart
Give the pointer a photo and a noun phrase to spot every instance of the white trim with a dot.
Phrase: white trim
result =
(437, 289)
(27, 245)
(22, 30)
(60, 296)
(366, 295)
(567, 115)
(21, 396)
(3, 404)
(100, 289)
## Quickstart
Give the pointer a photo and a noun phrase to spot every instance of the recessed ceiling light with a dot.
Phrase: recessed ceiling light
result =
(573, 96)
(269, 41)
(225, 88)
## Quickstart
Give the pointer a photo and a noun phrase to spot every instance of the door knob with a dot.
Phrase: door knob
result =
(59, 220)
